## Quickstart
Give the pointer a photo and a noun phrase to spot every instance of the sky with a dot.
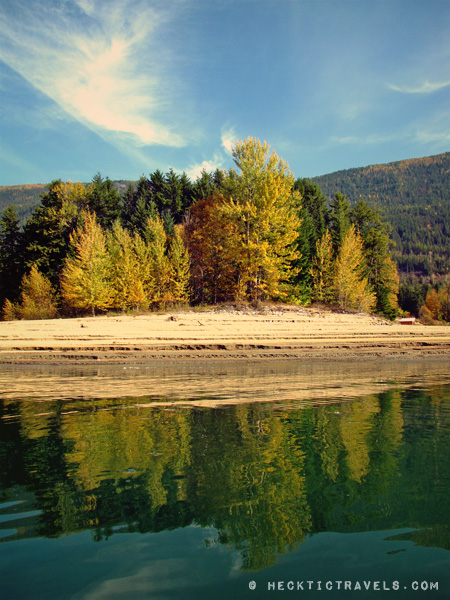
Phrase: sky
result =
(125, 87)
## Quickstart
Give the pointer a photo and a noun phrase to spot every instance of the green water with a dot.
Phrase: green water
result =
(104, 499)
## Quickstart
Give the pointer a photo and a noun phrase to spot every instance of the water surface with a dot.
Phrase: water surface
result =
(138, 497)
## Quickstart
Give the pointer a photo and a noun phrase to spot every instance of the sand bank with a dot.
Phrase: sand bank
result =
(287, 332)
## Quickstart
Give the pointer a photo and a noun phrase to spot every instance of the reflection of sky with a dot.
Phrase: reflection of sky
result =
(178, 564)
(125, 566)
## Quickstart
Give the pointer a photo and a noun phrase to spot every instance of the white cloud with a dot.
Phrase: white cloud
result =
(228, 139)
(92, 58)
(195, 171)
(424, 88)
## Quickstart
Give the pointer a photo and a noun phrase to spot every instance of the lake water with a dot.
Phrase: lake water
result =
(344, 496)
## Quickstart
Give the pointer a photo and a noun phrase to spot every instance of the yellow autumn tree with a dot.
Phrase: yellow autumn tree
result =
(86, 278)
(37, 299)
(351, 287)
(130, 269)
(180, 270)
(160, 267)
(322, 270)
(262, 205)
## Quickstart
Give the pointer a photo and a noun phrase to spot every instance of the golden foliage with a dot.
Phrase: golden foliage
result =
(86, 277)
(38, 299)
(352, 290)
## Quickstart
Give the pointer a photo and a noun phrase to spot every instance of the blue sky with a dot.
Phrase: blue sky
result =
(126, 87)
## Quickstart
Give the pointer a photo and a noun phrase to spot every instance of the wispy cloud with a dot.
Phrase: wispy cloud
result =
(368, 140)
(424, 88)
(228, 139)
(195, 171)
(433, 132)
(91, 57)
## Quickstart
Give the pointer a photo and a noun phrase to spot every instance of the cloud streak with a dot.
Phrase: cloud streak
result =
(88, 56)
(425, 88)
(228, 139)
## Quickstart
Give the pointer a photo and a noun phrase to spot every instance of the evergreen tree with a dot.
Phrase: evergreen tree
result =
(380, 270)
(86, 277)
(11, 261)
(158, 188)
(128, 206)
(204, 186)
(339, 220)
(145, 207)
(47, 232)
(314, 218)
(314, 203)
(186, 193)
(174, 196)
(412, 294)
(104, 200)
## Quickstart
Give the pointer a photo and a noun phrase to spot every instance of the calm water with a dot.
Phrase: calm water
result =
(104, 499)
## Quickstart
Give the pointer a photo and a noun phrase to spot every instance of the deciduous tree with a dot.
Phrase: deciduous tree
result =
(86, 277)
(38, 299)
(180, 271)
(160, 267)
(351, 286)
(323, 270)
(213, 244)
(263, 206)
(130, 269)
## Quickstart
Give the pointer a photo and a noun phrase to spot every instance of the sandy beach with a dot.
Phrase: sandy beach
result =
(218, 356)
(274, 332)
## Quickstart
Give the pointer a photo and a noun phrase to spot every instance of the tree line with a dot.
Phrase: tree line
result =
(253, 233)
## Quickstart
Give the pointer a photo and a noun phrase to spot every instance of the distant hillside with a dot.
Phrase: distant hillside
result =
(26, 197)
(414, 196)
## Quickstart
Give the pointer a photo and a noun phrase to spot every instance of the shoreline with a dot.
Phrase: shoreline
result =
(291, 333)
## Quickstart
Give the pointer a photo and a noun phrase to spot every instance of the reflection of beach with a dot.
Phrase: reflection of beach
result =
(220, 382)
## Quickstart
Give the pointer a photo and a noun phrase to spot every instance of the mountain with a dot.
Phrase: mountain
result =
(26, 197)
(414, 197)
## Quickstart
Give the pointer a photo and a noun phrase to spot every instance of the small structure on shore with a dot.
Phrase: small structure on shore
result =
(407, 321)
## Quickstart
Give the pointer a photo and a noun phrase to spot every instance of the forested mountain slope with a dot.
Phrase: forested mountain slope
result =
(26, 197)
(414, 197)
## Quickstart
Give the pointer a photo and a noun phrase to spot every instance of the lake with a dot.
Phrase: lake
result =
(270, 488)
